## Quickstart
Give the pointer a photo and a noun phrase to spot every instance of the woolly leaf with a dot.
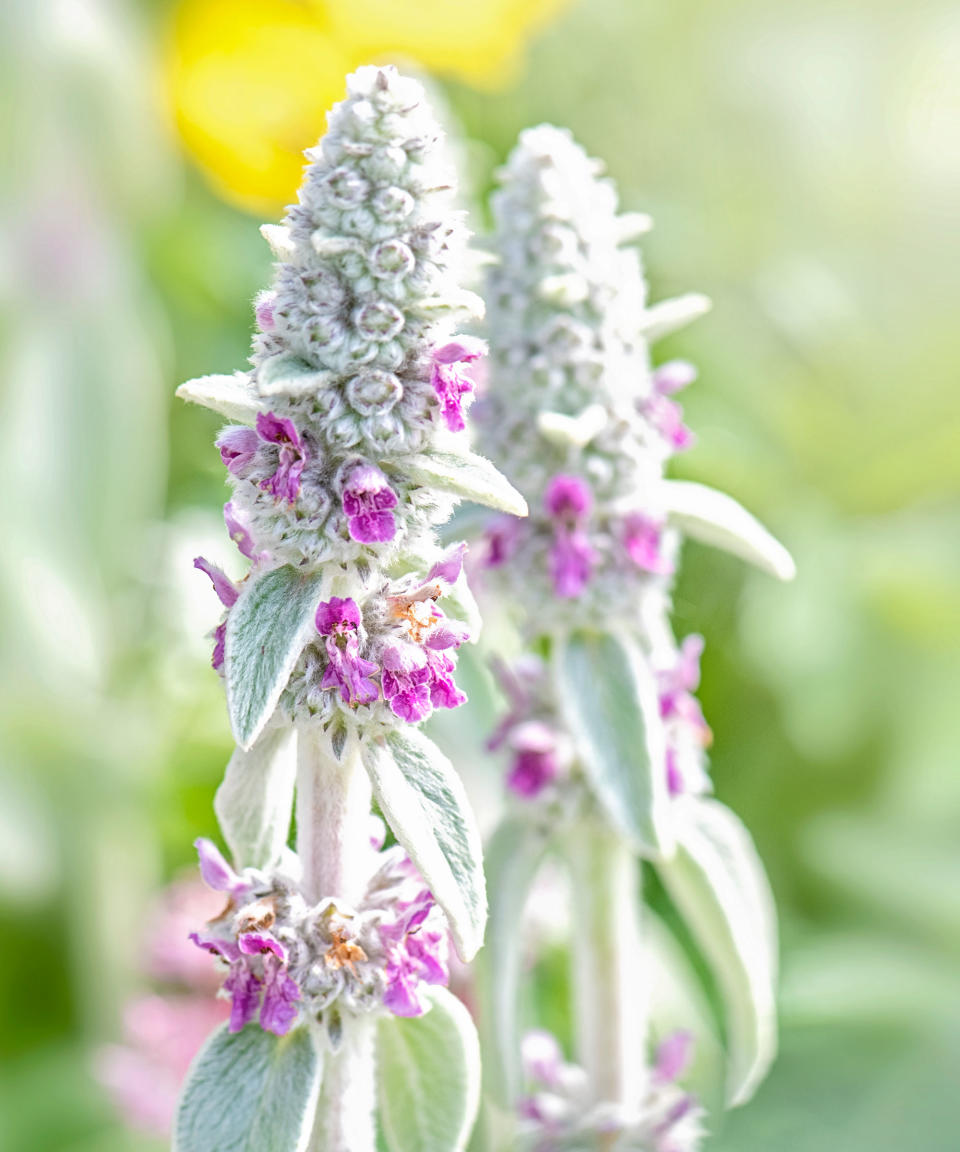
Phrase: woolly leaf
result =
(609, 698)
(267, 629)
(249, 1091)
(429, 1077)
(255, 801)
(288, 375)
(232, 396)
(466, 475)
(718, 884)
(511, 859)
(423, 800)
(715, 518)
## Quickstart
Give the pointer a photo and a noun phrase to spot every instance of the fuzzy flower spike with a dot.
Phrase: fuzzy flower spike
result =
(605, 739)
(345, 452)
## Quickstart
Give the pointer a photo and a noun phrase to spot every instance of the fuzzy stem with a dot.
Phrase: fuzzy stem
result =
(333, 814)
(610, 979)
(345, 1114)
(333, 841)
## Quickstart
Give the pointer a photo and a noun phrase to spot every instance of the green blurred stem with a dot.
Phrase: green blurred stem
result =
(610, 978)
(333, 841)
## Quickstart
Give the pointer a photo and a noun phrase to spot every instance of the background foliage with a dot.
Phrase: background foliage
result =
(802, 164)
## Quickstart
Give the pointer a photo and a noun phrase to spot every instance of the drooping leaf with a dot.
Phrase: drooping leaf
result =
(266, 631)
(718, 884)
(466, 475)
(609, 699)
(424, 802)
(715, 518)
(250, 1091)
(255, 801)
(232, 396)
(512, 859)
(429, 1077)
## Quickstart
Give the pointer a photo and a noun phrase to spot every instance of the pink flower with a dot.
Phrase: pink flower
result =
(338, 620)
(368, 501)
(642, 538)
(449, 380)
(568, 502)
(284, 484)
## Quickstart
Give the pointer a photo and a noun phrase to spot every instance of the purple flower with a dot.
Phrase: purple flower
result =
(224, 587)
(415, 954)
(367, 502)
(667, 415)
(568, 502)
(238, 446)
(642, 538)
(258, 943)
(217, 946)
(443, 691)
(244, 989)
(338, 620)
(680, 708)
(238, 531)
(449, 380)
(449, 566)
(542, 1058)
(284, 484)
(406, 681)
(280, 996)
(503, 538)
(535, 763)
(673, 1056)
(216, 872)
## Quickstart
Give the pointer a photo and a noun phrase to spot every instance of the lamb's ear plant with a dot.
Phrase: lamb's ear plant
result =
(605, 737)
(344, 453)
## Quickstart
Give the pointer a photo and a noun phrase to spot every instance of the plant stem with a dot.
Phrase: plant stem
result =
(610, 978)
(333, 841)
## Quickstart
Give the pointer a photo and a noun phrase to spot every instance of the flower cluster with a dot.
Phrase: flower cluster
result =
(285, 959)
(356, 377)
(574, 412)
(557, 1114)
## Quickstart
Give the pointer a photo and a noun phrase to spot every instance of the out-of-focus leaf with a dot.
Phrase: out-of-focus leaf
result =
(255, 801)
(608, 696)
(429, 1077)
(717, 881)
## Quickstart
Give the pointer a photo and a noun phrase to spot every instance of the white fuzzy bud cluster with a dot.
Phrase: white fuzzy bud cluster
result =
(571, 390)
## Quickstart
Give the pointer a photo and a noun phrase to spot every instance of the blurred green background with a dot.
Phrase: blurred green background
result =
(802, 164)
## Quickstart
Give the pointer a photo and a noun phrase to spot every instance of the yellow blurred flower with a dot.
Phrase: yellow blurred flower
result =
(251, 81)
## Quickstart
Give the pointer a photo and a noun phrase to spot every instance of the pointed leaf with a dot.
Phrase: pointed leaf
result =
(669, 315)
(267, 629)
(715, 518)
(232, 396)
(466, 475)
(718, 884)
(512, 859)
(429, 1077)
(609, 698)
(255, 801)
(424, 802)
(249, 1091)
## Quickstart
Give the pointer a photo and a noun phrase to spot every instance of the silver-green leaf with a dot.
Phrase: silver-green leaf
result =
(266, 631)
(512, 859)
(717, 519)
(718, 884)
(424, 802)
(250, 1091)
(232, 396)
(255, 801)
(429, 1077)
(609, 698)
(288, 375)
(466, 475)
